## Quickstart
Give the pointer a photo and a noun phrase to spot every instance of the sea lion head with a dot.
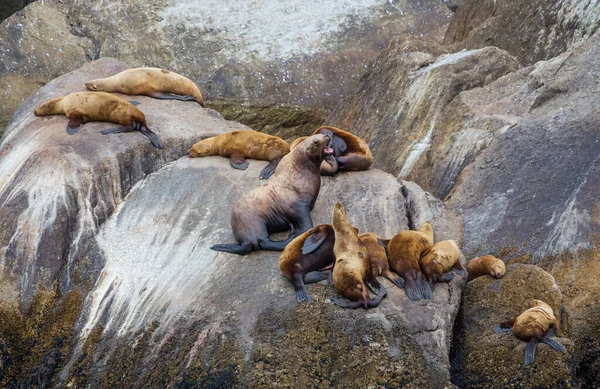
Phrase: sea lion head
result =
(201, 149)
(317, 147)
(94, 85)
(495, 267)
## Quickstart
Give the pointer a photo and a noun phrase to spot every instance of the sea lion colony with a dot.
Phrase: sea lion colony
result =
(334, 252)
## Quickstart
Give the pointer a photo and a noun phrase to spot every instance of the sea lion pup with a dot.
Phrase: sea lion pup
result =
(532, 326)
(237, 145)
(351, 152)
(329, 166)
(405, 250)
(304, 256)
(437, 262)
(83, 107)
(352, 271)
(282, 204)
(379, 258)
(487, 264)
(153, 82)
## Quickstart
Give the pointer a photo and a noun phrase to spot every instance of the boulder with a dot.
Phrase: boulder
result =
(531, 31)
(482, 359)
(8, 7)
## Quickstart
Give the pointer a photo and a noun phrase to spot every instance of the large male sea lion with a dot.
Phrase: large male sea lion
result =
(282, 204)
(438, 261)
(532, 326)
(153, 82)
(304, 256)
(241, 144)
(488, 264)
(329, 166)
(351, 152)
(352, 271)
(83, 107)
(379, 258)
(405, 250)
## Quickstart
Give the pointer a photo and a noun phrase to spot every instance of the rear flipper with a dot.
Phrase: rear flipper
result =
(316, 276)
(301, 292)
(395, 278)
(117, 130)
(238, 161)
(268, 244)
(459, 269)
(552, 343)
(446, 277)
(530, 351)
(152, 136)
(241, 249)
(136, 103)
(415, 290)
(171, 96)
(268, 170)
(504, 326)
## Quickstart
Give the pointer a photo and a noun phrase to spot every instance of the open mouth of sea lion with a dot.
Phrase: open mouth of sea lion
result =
(328, 150)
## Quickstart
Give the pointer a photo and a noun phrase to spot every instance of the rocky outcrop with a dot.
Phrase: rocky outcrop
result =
(260, 53)
(9, 7)
(482, 359)
(531, 31)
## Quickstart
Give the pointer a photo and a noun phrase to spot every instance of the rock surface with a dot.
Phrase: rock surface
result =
(482, 359)
(531, 31)
(260, 52)
(8, 7)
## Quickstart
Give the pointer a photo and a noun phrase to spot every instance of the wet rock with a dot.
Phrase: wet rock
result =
(482, 359)
(531, 31)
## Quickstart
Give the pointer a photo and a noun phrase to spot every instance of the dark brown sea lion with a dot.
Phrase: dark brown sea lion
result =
(352, 271)
(488, 264)
(405, 250)
(83, 107)
(304, 256)
(282, 204)
(533, 326)
(153, 82)
(351, 152)
(438, 261)
(379, 258)
(241, 144)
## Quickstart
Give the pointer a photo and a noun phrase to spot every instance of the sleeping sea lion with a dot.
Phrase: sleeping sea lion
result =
(379, 258)
(329, 166)
(487, 264)
(405, 250)
(237, 145)
(304, 256)
(438, 261)
(153, 82)
(532, 326)
(352, 271)
(351, 152)
(83, 107)
(282, 204)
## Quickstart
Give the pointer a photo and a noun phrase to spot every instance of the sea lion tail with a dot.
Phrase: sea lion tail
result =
(152, 136)
(241, 249)
(530, 351)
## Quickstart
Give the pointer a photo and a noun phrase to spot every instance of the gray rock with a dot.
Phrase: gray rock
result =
(8, 7)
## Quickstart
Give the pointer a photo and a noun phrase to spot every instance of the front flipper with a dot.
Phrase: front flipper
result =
(446, 277)
(302, 295)
(316, 276)
(552, 343)
(238, 161)
(375, 286)
(75, 123)
(504, 326)
(241, 249)
(530, 351)
(395, 278)
(459, 269)
(268, 170)
(117, 130)
(171, 96)
(344, 303)
(314, 240)
(375, 301)
(152, 136)
(329, 166)
(136, 103)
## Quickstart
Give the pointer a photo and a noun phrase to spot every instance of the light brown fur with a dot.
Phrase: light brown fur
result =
(358, 155)
(378, 256)
(487, 264)
(147, 81)
(93, 106)
(534, 322)
(440, 259)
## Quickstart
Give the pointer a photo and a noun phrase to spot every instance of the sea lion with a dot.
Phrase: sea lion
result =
(304, 256)
(438, 261)
(533, 326)
(153, 82)
(405, 250)
(487, 264)
(351, 152)
(83, 107)
(379, 258)
(237, 145)
(352, 271)
(329, 166)
(283, 203)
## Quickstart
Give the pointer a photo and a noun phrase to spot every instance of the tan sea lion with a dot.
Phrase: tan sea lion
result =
(533, 326)
(379, 258)
(487, 264)
(282, 204)
(405, 250)
(352, 271)
(304, 256)
(351, 152)
(153, 82)
(83, 107)
(241, 144)
(438, 261)
(329, 166)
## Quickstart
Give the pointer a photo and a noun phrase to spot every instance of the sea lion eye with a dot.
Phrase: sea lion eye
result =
(315, 142)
